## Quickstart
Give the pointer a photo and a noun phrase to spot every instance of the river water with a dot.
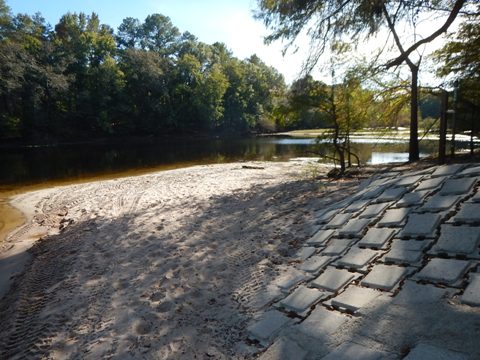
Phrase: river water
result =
(29, 168)
(34, 165)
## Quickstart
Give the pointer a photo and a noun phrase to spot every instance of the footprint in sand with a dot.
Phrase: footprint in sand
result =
(157, 296)
(120, 284)
(142, 327)
(164, 307)
(197, 294)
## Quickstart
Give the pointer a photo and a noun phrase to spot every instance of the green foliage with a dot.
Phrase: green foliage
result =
(430, 106)
(82, 80)
(328, 21)
(158, 34)
(129, 33)
(460, 57)
(303, 106)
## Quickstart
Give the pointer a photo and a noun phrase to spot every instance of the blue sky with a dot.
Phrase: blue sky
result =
(228, 21)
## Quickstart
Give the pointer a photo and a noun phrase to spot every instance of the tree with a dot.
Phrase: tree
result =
(461, 54)
(146, 93)
(303, 105)
(264, 84)
(80, 80)
(461, 57)
(460, 60)
(129, 33)
(5, 19)
(88, 48)
(326, 21)
(158, 34)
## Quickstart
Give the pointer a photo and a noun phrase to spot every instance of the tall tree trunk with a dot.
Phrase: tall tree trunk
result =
(472, 129)
(338, 148)
(442, 145)
(413, 151)
(347, 135)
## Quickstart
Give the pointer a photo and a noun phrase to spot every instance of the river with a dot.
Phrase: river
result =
(34, 167)
(39, 164)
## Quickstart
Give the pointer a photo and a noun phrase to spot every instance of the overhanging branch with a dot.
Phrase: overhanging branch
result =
(404, 54)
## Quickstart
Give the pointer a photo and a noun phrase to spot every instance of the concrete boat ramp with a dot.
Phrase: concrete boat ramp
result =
(392, 273)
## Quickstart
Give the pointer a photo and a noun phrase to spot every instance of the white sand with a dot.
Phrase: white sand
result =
(167, 265)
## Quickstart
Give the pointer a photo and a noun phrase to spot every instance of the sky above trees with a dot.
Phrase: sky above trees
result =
(230, 22)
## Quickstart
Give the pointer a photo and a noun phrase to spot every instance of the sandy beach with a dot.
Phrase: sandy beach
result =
(171, 264)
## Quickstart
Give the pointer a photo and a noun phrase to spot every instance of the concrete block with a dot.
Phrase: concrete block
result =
(421, 225)
(413, 198)
(429, 352)
(356, 205)
(325, 216)
(402, 256)
(338, 221)
(264, 296)
(268, 326)
(471, 171)
(444, 271)
(413, 294)
(457, 240)
(457, 186)
(471, 296)
(408, 252)
(284, 349)
(447, 170)
(374, 210)
(377, 238)
(312, 229)
(341, 204)
(393, 217)
(408, 180)
(315, 263)
(430, 184)
(373, 192)
(413, 245)
(469, 213)
(353, 351)
(387, 180)
(440, 203)
(321, 237)
(322, 323)
(290, 279)
(333, 279)
(425, 171)
(305, 252)
(354, 298)
(354, 227)
(392, 194)
(302, 298)
(385, 277)
(357, 258)
(337, 247)
(476, 198)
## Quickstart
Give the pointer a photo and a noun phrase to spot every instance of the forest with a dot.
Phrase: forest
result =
(81, 79)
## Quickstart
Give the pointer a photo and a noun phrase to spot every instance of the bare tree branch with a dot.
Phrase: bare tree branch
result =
(405, 53)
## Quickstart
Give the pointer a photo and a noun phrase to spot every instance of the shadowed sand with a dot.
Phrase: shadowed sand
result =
(167, 265)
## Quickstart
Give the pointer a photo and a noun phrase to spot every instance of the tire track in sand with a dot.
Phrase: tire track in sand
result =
(27, 328)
